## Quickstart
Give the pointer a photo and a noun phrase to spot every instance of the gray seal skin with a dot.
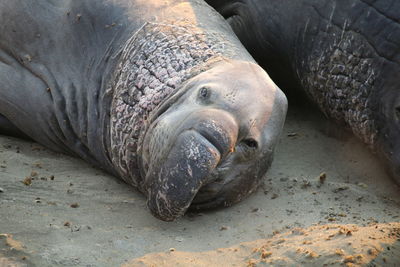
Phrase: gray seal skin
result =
(345, 54)
(159, 93)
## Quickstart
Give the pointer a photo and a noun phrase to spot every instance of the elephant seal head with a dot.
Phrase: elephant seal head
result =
(210, 144)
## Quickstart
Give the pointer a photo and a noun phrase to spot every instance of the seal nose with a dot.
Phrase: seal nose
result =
(207, 136)
(219, 128)
(176, 182)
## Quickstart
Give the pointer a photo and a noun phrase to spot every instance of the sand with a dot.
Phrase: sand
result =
(327, 245)
(57, 210)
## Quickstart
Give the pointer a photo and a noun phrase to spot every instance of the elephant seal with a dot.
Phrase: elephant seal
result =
(159, 93)
(344, 54)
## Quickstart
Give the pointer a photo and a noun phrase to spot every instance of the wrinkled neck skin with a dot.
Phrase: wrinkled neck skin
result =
(154, 63)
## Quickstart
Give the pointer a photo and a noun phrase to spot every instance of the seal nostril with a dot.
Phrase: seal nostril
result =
(250, 142)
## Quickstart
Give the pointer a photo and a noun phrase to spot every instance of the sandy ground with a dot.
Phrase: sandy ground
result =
(373, 245)
(58, 211)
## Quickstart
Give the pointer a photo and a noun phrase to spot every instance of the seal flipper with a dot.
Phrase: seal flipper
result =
(8, 128)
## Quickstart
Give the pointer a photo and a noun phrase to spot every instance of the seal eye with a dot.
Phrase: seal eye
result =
(204, 92)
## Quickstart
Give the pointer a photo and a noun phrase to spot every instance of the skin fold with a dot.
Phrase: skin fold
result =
(159, 93)
(343, 54)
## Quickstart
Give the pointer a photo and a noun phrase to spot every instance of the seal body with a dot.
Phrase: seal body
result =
(343, 54)
(157, 93)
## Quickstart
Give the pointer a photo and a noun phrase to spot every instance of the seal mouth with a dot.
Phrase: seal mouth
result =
(209, 196)
(207, 204)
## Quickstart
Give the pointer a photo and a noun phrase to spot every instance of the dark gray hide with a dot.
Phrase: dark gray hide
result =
(345, 54)
(154, 92)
